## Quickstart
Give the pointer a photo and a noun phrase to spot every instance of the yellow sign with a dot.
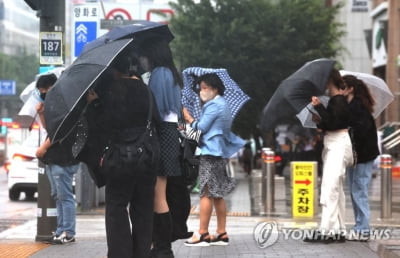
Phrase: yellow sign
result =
(303, 182)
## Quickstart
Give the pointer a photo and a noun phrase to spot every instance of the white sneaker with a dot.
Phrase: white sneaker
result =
(62, 239)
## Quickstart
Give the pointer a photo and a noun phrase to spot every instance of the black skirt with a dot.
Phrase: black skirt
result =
(170, 164)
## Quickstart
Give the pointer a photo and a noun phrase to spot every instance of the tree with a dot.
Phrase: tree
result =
(260, 43)
(21, 68)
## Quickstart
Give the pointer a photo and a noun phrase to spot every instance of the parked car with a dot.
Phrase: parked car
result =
(23, 169)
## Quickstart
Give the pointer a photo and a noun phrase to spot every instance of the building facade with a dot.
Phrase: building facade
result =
(354, 15)
(385, 18)
(19, 28)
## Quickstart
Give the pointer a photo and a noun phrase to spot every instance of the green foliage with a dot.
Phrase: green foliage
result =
(21, 68)
(260, 42)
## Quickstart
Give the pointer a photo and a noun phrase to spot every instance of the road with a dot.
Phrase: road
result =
(13, 213)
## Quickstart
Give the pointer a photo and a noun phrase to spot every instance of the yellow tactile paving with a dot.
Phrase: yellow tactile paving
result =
(20, 250)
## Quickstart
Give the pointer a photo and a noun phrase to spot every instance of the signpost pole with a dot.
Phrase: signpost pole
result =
(52, 23)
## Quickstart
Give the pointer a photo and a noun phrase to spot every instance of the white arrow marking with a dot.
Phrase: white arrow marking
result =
(81, 29)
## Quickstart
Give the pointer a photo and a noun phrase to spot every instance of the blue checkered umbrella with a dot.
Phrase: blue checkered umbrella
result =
(235, 97)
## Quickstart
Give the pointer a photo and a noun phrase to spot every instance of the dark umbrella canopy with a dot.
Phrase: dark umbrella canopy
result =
(65, 101)
(295, 92)
(138, 30)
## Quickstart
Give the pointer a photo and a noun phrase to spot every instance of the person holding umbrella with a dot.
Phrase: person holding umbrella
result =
(337, 155)
(165, 82)
(217, 143)
(365, 139)
(60, 169)
(124, 114)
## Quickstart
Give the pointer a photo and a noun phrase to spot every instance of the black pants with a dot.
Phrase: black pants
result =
(178, 198)
(134, 187)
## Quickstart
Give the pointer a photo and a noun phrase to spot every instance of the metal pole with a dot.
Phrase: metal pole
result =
(268, 180)
(386, 186)
(52, 18)
(46, 208)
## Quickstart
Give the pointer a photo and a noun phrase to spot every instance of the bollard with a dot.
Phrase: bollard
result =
(386, 186)
(268, 180)
(255, 191)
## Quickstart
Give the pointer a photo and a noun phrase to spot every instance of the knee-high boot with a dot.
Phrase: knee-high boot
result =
(162, 233)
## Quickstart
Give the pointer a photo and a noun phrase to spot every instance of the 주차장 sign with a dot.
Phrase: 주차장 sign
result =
(304, 182)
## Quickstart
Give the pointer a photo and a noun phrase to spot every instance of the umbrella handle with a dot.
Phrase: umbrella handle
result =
(33, 121)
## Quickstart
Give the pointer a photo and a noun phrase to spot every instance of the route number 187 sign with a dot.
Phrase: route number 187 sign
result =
(51, 48)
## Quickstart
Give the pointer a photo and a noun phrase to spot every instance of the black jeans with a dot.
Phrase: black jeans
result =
(135, 187)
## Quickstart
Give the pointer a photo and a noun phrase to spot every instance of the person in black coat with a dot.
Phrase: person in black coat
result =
(116, 118)
(365, 142)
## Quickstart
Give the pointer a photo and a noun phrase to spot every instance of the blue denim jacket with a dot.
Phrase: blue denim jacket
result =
(215, 124)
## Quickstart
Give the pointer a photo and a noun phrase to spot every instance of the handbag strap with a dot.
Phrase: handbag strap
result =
(149, 115)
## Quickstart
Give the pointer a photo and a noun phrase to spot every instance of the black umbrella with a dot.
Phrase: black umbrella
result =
(295, 92)
(65, 101)
(139, 30)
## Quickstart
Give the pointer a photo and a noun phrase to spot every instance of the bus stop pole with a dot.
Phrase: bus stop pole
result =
(46, 208)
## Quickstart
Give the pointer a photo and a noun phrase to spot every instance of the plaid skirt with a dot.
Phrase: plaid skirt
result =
(170, 164)
(212, 174)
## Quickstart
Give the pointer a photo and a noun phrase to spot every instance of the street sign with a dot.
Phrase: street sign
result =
(84, 33)
(7, 87)
(109, 24)
(118, 14)
(304, 176)
(51, 48)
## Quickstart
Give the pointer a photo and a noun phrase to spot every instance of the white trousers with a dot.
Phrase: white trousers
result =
(336, 156)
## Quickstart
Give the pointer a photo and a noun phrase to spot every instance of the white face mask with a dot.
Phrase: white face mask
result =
(206, 95)
(144, 63)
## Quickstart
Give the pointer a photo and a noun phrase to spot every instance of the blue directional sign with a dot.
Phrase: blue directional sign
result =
(85, 31)
(7, 87)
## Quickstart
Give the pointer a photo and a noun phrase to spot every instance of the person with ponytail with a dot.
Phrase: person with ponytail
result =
(365, 142)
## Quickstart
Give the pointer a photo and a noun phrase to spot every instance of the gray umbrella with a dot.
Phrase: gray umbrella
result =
(295, 92)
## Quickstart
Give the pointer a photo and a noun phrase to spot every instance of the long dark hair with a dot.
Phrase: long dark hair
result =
(337, 79)
(360, 91)
(159, 54)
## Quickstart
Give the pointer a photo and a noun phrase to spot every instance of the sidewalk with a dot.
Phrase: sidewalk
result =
(91, 239)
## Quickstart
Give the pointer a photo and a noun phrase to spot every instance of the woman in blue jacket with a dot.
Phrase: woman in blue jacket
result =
(217, 143)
